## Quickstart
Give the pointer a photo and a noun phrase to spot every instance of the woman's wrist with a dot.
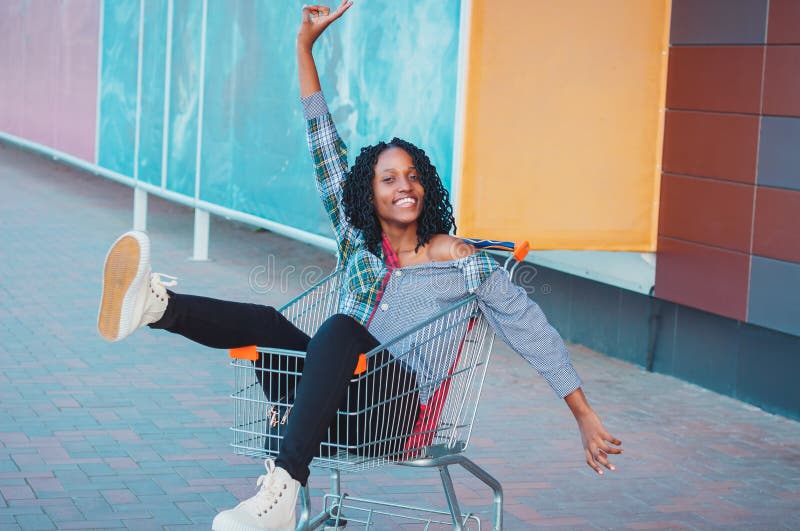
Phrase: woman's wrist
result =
(578, 404)
(304, 47)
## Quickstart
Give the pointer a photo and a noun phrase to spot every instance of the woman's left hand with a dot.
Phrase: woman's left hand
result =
(597, 441)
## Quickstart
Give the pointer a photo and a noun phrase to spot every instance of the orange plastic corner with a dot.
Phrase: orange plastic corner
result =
(361, 366)
(244, 353)
(521, 250)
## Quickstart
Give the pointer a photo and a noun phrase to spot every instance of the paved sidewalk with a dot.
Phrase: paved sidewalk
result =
(135, 434)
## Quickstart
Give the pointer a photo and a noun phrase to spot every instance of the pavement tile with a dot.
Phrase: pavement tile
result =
(35, 522)
(135, 434)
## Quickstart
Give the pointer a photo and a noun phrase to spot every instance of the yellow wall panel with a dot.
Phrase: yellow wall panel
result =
(564, 114)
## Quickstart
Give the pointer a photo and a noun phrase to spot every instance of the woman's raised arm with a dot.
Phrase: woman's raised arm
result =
(328, 151)
(315, 20)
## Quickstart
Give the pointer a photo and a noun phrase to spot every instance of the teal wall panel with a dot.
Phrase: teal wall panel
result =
(385, 71)
(151, 124)
(120, 58)
(184, 96)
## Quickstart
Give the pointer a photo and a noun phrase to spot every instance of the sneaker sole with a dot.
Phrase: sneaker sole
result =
(122, 271)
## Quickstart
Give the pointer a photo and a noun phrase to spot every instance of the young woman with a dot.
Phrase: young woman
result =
(392, 219)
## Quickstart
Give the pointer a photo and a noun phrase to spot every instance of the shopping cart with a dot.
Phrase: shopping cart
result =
(450, 352)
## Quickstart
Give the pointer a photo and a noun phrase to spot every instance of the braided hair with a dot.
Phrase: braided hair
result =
(437, 212)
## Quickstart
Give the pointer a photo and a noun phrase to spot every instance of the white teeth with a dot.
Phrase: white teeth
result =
(406, 201)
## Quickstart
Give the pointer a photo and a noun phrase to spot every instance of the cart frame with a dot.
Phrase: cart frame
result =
(449, 352)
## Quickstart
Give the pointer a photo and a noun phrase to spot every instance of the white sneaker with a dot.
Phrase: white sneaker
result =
(132, 295)
(271, 508)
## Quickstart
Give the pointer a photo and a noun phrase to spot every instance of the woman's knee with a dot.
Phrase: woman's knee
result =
(344, 334)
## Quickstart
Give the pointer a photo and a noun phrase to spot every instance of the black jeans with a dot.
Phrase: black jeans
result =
(384, 398)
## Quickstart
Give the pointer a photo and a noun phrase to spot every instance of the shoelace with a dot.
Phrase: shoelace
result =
(267, 496)
(157, 280)
(158, 287)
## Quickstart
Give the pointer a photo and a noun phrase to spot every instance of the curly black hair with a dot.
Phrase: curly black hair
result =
(437, 212)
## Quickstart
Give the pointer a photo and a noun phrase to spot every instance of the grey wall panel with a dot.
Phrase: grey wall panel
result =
(767, 370)
(779, 152)
(718, 22)
(705, 350)
(775, 295)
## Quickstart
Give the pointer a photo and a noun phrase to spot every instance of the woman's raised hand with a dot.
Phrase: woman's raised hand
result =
(315, 20)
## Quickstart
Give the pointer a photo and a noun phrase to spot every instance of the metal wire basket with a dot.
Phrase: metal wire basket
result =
(426, 419)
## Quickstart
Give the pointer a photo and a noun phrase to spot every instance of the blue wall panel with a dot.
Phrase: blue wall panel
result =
(774, 294)
(151, 124)
(778, 153)
(386, 72)
(718, 21)
(184, 96)
(120, 53)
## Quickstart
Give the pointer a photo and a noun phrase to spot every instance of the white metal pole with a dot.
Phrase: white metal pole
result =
(462, 76)
(201, 217)
(139, 209)
(167, 88)
(201, 229)
(139, 195)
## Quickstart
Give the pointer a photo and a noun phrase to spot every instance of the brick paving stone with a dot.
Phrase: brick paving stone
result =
(134, 434)
(35, 522)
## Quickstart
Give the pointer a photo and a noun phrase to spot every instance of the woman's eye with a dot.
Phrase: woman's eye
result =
(413, 177)
(388, 179)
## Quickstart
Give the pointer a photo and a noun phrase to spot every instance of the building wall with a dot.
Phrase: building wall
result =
(728, 238)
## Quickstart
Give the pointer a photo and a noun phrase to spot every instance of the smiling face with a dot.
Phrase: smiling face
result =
(397, 190)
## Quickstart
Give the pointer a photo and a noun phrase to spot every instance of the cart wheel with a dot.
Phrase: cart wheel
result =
(331, 525)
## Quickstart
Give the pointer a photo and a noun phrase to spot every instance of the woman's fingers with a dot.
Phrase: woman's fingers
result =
(590, 460)
(602, 458)
(315, 13)
(613, 440)
(608, 449)
(344, 6)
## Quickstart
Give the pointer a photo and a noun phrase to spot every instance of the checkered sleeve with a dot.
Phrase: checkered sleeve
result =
(522, 325)
(329, 155)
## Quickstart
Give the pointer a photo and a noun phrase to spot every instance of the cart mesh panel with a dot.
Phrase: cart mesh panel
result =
(453, 347)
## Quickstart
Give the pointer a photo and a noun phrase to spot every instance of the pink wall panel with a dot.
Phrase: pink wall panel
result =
(48, 54)
(75, 116)
(41, 72)
(12, 66)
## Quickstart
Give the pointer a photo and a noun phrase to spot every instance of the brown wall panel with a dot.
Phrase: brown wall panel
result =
(782, 81)
(776, 233)
(714, 280)
(723, 146)
(706, 211)
(784, 22)
(715, 78)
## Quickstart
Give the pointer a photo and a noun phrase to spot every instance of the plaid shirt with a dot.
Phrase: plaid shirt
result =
(405, 294)
(365, 272)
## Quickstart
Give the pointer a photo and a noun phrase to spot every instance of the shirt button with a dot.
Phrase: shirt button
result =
(398, 273)
(384, 306)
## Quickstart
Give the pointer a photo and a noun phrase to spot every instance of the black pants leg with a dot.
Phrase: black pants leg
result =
(331, 358)
(224, 324)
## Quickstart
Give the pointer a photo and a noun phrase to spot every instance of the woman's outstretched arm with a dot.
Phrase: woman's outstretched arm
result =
(523, 326)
